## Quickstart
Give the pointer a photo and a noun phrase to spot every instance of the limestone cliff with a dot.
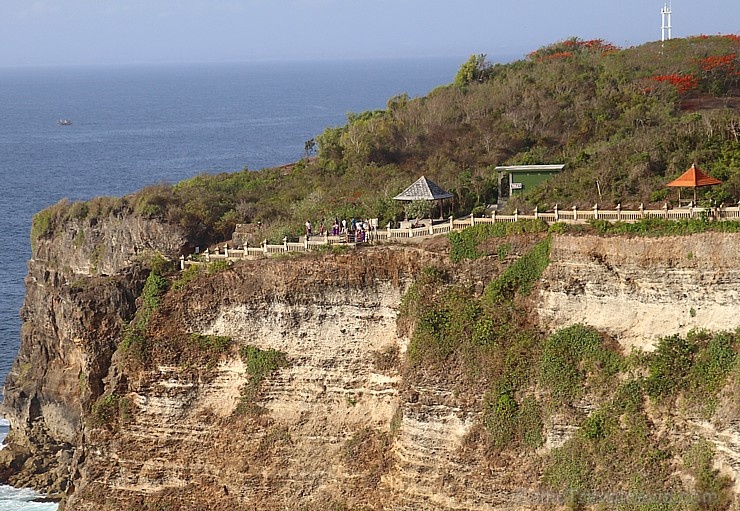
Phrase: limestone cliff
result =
(338, 424)
(81, 289)
(638, 289)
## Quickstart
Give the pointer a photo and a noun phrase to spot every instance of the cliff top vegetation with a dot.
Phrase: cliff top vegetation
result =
(624, 121)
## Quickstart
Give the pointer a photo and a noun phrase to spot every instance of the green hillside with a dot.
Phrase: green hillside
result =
(624, 121)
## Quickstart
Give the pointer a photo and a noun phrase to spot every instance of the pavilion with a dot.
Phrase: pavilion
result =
(692, 178)
(424, 189)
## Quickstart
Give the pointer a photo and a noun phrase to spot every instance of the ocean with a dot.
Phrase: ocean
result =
(134, 126)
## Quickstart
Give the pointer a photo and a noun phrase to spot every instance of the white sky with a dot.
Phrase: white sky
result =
(73, 32)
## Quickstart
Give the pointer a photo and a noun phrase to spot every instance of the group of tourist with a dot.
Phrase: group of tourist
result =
(355, 230)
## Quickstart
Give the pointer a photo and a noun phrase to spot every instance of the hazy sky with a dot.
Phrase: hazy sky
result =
(52, 32)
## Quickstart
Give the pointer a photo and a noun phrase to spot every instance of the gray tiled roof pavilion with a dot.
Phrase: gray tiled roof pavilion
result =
(423, 189)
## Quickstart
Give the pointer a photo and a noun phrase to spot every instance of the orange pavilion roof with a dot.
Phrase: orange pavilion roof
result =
(694, 178)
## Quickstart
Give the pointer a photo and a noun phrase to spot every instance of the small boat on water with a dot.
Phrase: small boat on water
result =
(64, 122)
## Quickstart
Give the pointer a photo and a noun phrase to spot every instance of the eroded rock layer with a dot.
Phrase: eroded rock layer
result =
(638, 289)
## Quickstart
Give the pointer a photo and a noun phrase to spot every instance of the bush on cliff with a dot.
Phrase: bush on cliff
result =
(259, 364)
(110, 410)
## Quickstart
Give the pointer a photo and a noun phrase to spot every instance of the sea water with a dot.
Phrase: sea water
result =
(140, 125)
(19, 498)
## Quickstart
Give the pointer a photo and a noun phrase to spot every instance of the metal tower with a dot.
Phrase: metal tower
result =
(665, 18)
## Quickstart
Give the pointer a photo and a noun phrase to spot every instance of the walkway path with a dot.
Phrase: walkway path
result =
(438, 227)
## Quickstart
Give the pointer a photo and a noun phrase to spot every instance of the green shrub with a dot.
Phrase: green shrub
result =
(656, 227)
(218, 266)
(595, 426)
(415, 298)
(43, 224)
(187, 276)
(215, 344)
(510, 422)
(464, 243)
(111, 409)
(530, 424)
(159, 264)
(444, 325)
(501, 417)
(418, 209)
(154, 287)
(712, 364)
(521, 276)
(558, 228)
(568, 355)
(503, 250)
(259, 364)
(714, 489)
(697, 365)
(135, 346)
(669, 365)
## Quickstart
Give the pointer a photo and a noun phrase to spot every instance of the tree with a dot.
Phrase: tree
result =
(473, 70)
(418, 209)
(309, 148)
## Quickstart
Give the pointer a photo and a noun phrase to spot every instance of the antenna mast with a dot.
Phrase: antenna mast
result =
(665, 18)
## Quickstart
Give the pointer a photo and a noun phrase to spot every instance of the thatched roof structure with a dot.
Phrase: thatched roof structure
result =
(423, 189)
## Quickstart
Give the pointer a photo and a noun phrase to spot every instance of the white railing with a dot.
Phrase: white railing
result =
(572, 215)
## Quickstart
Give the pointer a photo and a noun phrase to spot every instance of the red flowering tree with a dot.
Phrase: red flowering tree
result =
(720, 74)
(571, 48)
(684, 83)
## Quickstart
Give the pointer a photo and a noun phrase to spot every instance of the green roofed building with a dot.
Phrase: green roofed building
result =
(516, 179)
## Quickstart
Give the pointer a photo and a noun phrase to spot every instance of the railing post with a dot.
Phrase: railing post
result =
(182, 263)
(493, 216)
(619, 211)
(285, 243)
(596, 211)
(665, 210)
(431, 227)
(226, 251)
(305, 244)
(557, 213)
(326, 238)
(536, 214)
(472, 220)
(516, 215)
(264, 246)
(642, 210)
(452, 223)
(208, 255)
(575, 213)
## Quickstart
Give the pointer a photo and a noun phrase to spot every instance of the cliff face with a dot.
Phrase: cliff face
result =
(336, 423)
(641, 288)
(72, 317)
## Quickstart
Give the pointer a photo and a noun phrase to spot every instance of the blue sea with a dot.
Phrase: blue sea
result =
(139, 125)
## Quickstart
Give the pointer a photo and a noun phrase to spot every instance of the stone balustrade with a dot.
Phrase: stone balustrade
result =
(438, 227)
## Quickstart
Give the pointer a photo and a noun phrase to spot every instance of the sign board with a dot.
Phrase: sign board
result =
(516, 186)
